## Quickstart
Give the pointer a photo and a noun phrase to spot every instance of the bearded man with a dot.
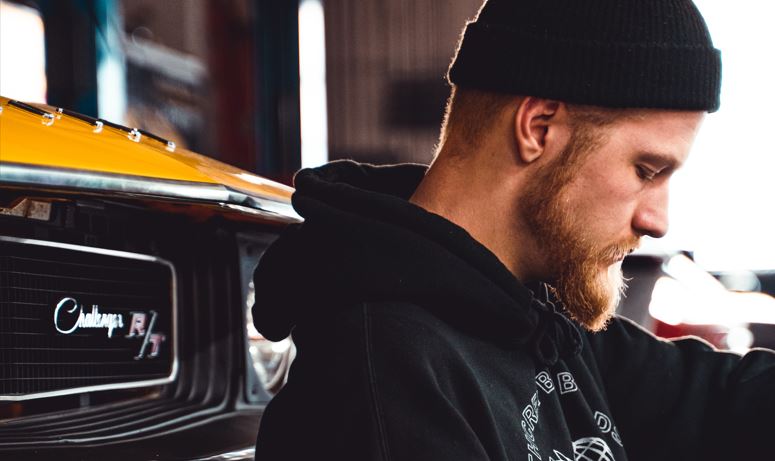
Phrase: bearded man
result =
(465, 311)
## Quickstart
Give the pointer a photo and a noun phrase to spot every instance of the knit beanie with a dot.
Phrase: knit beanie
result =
(607, 53)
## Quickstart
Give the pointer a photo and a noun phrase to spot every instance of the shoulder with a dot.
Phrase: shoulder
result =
(406, 328)
(360, 331)
(404, 321)
(396, 326)
(386, 319)
(388, 339)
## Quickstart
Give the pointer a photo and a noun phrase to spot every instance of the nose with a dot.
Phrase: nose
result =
(650, 216)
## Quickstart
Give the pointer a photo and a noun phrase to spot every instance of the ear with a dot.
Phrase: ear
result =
(533, 124)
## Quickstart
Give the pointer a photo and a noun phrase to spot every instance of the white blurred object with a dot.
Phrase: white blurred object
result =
(312, 83)
(740, 281)
(739, 339)
(22, 53)
(692, 296)
(720, 203)
(271, 360)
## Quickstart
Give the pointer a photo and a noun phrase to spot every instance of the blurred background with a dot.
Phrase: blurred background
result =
(266, 85)
(272, 86)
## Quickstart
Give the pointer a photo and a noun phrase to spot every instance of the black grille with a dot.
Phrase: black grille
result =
(72, 319)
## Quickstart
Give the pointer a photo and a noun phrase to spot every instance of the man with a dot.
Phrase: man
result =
(464, 312)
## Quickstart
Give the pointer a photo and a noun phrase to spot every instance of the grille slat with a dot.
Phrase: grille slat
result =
(67, 316)
(88, 364)
(68, 418)
(81, 378)
(136, 420)
(56, 349)
(70, 277)
(73, 292)
(11, 260)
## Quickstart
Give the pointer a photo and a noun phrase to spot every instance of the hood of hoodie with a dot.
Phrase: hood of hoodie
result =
(363, 241)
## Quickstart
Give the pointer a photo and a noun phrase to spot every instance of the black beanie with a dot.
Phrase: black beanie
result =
(608, 53)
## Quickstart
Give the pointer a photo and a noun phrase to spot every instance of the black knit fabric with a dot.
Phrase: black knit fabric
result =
(415, 343)
(608, 53)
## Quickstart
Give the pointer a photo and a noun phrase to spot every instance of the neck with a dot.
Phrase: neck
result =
(479, 197)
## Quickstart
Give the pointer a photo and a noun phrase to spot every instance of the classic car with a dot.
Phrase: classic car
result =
(125, 292)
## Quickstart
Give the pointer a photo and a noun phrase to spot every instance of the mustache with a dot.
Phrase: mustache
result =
(617, 251)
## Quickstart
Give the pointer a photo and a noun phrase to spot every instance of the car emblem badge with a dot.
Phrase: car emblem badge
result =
(70, 316)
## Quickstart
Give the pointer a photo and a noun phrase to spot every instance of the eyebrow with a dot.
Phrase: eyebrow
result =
(666, 161)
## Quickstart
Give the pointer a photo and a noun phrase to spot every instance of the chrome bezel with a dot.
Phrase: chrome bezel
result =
(105, 387)
(268, 207)
(245, 454)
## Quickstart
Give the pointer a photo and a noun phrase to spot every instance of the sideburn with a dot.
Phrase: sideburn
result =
(579, 283)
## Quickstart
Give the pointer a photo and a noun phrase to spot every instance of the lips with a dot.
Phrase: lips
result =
(617, 254)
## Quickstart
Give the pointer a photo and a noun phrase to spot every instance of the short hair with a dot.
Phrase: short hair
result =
(470, 114)
(599, 117)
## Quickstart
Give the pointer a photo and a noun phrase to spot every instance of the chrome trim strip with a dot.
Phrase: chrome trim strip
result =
(103, 387)
(89, 180)
(137, 185)
(246, 454)
(32, 109)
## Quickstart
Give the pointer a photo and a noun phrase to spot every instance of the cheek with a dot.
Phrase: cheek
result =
(601, 201)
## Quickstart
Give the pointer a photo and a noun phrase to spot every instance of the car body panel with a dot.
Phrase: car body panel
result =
(68, 181)
(58, 149)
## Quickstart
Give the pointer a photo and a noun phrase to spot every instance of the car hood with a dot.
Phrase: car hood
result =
(40, 137)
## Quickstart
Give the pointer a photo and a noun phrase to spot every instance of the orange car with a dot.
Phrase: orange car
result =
(125, 292)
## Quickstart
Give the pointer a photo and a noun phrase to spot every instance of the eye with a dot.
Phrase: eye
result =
(645, 173)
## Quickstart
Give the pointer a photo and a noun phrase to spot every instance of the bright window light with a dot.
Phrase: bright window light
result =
(111, 67)
(691, 296)
(721, 203)
(22, 53)
(312, 76)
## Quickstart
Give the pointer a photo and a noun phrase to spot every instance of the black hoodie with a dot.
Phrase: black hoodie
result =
(416, 343)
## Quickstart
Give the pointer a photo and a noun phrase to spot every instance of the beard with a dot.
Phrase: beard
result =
(585, 276)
